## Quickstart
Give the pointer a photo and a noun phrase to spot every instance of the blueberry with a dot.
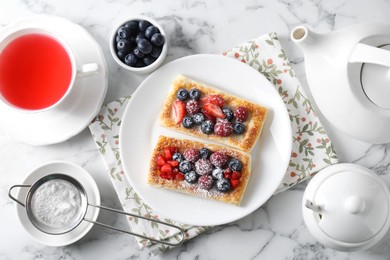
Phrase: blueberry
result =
(157, 39)
(138, 53)
(124, 32)
(182, 94)
(194, 94)
(121, 55)
(124, 45)
(143, 25)
(191, 177)
(229, 113)
(223, 185)
(187, 122)
(238, 128)
(139, 37)
(117, 39)
(131, 60)
(235, 165)
(185, 166)
(207, 127)
(156, 51)
(217, 173)
(150, 31)
(204, 153)
(177, 157)
(144, 46)
(149, 60)
(198, 118)
(132, 26)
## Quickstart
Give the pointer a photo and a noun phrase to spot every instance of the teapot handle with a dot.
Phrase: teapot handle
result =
(364, 53)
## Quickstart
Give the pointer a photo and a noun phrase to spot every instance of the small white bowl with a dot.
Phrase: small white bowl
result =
(139, 70)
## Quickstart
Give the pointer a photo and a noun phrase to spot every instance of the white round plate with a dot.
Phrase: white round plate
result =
(91, 191)
(140, 130)
(79, 108)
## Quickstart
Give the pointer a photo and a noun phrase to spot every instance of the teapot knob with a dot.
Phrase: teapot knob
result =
(354, 204)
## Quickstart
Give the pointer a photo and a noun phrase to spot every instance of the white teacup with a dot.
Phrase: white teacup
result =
(38, 70)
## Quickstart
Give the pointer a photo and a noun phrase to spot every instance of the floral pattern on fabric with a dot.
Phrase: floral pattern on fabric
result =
(311, 148)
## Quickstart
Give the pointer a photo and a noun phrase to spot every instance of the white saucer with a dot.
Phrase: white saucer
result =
(90, 188)
(78, 110)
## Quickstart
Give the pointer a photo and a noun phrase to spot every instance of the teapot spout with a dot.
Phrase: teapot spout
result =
(305, 38)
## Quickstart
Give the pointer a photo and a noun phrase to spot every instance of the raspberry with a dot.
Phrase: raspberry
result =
(223, 128)
(205, 182)
(191, 154)
(192, 107)
(203, 167)
(219, 159)
(241, 114)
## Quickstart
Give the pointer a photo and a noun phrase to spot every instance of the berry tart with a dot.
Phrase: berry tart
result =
(206, 112)
(205, 170)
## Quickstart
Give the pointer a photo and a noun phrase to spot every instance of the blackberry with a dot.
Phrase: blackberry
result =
(207, 127)
(191, 177)
(223, 185)
(187, 122)
(228, 113)
(235, 165)
(185, 166)
(182, 94)
(204, 153)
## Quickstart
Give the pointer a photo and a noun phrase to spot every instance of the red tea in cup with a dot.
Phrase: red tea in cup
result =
(35, 71)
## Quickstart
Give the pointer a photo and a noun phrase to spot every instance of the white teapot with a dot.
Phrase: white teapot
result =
(349, 78)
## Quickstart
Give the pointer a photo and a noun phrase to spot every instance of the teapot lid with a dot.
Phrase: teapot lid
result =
(346, 207)
(375, 80)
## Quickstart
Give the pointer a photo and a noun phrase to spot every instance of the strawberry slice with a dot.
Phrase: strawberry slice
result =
(179, 177)
(208, 116)
(168, 154)
(236, 175)
(173, 163)
(166, 168)
(174, 149)
(234, 183)
(160, 160)
(213, 99)
(214, 110)
(179, 111)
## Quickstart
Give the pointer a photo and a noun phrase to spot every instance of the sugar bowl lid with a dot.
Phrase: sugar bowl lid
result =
(346, 207)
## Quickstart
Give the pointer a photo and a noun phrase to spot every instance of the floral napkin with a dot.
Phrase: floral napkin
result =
(311, 150)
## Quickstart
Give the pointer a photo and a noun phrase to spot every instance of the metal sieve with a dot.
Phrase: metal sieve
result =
(81, 214)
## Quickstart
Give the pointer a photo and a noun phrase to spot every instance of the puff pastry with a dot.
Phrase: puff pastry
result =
(233, 196)
(254, 123)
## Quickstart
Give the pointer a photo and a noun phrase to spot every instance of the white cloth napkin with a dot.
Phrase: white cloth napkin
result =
(311, 150)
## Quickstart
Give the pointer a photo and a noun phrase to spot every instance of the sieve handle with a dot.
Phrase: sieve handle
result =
(135, 234)
(12, 197)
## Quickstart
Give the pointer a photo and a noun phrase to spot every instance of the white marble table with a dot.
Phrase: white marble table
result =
(276, 230)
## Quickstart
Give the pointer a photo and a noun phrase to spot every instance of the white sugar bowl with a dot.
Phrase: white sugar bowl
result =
(346, 207)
